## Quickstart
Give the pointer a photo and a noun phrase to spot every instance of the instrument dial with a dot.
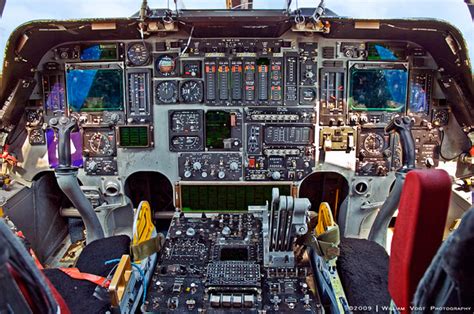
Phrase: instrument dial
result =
(186, 121)
(186, 142)
(441, 117)
(99, 143)
(166, 92)
(138, 54)
(36, 137)
(165, 65)
(374, 143)
(33, 117)
(192, 92)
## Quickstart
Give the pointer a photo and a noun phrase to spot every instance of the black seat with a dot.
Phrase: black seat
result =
(363, 269)
(78, 294)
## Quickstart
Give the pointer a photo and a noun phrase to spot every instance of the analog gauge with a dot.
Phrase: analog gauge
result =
(166, 92)
(36, 137)
(441, 117)
(138, 54)
(186, 121)
(33, 117)
(374, 143)
(99, 143)
(165, 65)
(191, 91)
(309, 94)
(192, 69)
(186, 142)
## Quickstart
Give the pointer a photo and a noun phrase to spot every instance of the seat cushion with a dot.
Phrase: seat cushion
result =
(95, 254)
(363, 269)
(79, 294)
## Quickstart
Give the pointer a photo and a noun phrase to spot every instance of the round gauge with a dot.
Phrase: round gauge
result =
(165, 65)
(36, 136)
(374, 143)
(191, 91)
(166, 92)
(441, 117)
(309, 94)
(33, 117)
(138, 54)
(186, 142)
(99, 143)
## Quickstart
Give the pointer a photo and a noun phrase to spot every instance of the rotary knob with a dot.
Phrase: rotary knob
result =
(226, 231)
(197, 166)
(190, 232)
(187, 174)
(92, 166)
(276, 175)
(221, 175)
(234, 166)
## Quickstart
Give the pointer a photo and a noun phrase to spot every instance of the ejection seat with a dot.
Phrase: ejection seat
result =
(371, 278)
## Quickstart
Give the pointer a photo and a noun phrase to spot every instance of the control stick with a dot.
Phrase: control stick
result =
(402, 126)
(66, 175)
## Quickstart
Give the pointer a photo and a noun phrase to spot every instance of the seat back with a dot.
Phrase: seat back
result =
(418, 231)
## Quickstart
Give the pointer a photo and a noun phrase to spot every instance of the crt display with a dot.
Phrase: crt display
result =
(99, 52)
(133, 136)
(216, 198)
(94, 89)
(373, 89)
(218, 128)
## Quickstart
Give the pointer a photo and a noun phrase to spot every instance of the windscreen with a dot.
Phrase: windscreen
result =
(374, 88)
(94, 89)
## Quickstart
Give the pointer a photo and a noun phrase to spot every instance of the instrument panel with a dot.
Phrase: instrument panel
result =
(244, 109)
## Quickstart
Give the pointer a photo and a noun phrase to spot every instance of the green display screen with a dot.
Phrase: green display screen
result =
(134, 136)
(218, 129)
(219, 198)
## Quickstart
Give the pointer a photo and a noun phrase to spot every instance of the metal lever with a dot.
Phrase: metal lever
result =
(66, 175)
(402, 126)
(64, 126)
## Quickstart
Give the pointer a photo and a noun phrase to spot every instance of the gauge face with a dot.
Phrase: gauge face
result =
(192, 91)
(192, 69)
(166, 92)
(138, 93)
(186, 121)
(309, 94)
(441, 117)
(33, 117)
(36, 137)
(138, 54)
(374, 143)
(165, 65)
(186, 142)
(99, 143)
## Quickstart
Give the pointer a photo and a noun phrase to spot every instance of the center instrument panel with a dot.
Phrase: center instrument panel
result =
(240, 109)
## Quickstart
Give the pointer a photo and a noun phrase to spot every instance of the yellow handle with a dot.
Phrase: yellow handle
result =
(144, 223)
(325, 218)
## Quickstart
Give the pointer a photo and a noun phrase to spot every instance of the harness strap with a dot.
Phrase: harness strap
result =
(75, 273)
